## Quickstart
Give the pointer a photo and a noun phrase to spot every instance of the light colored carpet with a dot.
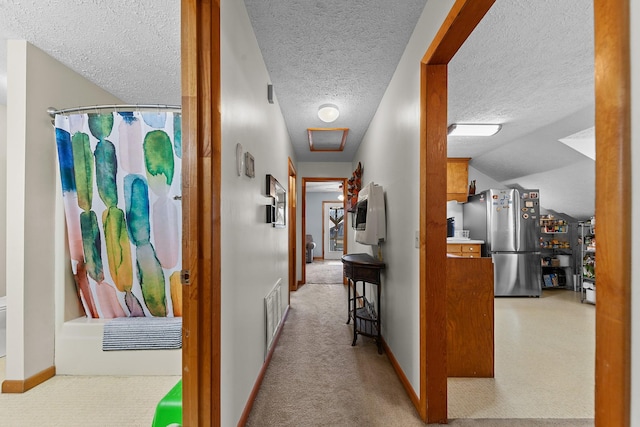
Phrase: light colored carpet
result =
(324, 272)
(317, 379)
(85, 401)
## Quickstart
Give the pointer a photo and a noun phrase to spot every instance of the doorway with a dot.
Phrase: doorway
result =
(315, 192)
(613, 207)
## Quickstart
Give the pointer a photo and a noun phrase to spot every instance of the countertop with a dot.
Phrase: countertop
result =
(458, 240)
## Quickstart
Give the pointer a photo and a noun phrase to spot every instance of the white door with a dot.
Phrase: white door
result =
(333, 230)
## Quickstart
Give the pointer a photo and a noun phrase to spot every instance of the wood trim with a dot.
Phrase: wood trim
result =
(462, 19)
(401, 375)
(201, 181)
(433, 238)
(20, 386)
(303, 236)
(256, 386)
(345, 132)
(613, 212)
(293, 201)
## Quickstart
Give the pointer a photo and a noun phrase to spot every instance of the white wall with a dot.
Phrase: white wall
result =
(483, 182)
(3, 197)
(254, 254)
(36, 264)
(395, 166)
(635, 197)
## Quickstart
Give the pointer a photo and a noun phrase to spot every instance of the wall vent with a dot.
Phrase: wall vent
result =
(273, 313)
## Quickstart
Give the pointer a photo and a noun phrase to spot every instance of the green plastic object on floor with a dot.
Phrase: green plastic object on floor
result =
(169, 409)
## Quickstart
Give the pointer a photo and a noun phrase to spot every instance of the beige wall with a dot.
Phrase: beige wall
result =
(3, 198)
(37, 267)
(254, 254)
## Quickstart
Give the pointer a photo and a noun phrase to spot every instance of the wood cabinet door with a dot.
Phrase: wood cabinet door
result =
(457, 175)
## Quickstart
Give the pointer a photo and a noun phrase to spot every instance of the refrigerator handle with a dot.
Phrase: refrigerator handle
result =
(517, 219)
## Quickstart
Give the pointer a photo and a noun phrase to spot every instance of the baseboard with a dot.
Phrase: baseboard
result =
(403, 378)
(20, 386)
(256, 387)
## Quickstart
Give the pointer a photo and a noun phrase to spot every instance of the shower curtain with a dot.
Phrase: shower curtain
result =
(120, 176)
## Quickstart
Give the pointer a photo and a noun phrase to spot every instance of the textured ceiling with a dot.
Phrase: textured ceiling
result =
(331, 51)
(129, 48)
(529, 66)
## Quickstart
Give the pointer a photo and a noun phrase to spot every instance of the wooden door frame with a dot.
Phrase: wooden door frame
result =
(293, 285)
(304, 216)
(201, 189)
(613, 207)
(613, 212)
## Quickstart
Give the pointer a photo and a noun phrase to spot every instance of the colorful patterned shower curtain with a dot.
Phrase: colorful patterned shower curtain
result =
(120, 175)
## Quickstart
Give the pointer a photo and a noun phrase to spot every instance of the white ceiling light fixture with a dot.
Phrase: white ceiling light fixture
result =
(459, 129)
(328, 113)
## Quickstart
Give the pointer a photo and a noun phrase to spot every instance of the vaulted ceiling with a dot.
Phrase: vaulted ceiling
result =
(529, 66)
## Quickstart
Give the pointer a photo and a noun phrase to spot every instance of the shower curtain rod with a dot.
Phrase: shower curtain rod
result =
(53, 111)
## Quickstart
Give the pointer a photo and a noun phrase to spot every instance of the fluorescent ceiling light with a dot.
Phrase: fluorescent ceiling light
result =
(458, 129)
(328, 113)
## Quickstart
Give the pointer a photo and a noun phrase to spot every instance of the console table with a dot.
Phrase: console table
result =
(365, 314)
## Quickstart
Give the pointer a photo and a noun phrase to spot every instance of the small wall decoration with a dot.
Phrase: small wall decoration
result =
(276, 210)
(249, 165)
(354, 184)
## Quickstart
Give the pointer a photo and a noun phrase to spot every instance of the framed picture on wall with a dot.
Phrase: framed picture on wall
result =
(277, 209)
(249, 165)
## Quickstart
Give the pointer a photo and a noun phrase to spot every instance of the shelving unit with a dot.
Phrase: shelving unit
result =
(556, 259)
(588, 256)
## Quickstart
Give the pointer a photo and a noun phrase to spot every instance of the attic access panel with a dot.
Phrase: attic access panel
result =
(327, 139)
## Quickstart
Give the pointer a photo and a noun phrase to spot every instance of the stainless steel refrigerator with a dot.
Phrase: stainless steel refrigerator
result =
(508, 222)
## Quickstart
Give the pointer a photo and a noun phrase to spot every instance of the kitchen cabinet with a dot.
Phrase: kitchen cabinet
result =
(458, 178)
(470, 317)
(465, 250)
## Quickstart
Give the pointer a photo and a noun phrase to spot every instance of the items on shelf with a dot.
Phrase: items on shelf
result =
(551, 225)
(551, 280)
(589, 266)
(587, 243)
(554, 244)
